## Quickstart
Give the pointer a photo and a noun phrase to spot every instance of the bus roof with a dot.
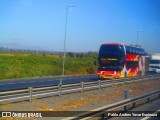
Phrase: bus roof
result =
(112, 43)
(133, 49)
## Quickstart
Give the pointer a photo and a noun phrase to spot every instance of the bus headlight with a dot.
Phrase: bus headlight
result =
(101, 72)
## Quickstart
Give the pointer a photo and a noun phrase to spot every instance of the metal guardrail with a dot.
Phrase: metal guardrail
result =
(101, 113)
(30, 93)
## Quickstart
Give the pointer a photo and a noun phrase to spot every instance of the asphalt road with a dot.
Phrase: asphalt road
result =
(6, 85)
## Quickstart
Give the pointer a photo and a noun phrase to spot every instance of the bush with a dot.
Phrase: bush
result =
(30, 65)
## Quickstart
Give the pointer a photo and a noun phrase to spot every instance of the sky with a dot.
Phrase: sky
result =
(89, 24)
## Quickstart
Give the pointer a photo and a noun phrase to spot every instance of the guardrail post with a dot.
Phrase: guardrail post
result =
(124, 83)
(134, 105)
(125, 97)
(82, 86)
(124, 80)
(60, 89)
(112, 83)
(103, 117)
(134, 79)
(145, 78)
(148, 100)
(125, 94)
(148, 77)
(30, 93)
(99, 83)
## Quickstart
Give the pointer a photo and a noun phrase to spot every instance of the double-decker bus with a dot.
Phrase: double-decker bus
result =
(116, 60)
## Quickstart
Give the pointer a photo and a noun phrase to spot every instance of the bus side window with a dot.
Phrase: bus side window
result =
(132, 64)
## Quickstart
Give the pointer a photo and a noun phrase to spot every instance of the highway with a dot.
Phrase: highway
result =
(13, 84)
(23, 83)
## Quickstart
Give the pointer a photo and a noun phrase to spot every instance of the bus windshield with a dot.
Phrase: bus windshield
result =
(111, 49)
(111, 57)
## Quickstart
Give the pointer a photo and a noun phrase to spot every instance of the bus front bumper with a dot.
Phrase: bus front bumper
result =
(108, 76)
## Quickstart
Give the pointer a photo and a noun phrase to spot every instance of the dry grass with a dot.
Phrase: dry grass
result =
(14, 54)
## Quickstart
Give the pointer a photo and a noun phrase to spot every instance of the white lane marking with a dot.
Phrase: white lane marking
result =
(22, 82)
(71, 78)
(7, 83)
(31, 82)
(77, 78)
(25, 82)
